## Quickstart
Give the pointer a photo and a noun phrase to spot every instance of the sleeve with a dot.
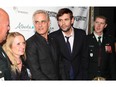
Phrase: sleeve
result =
(113, 60)
(85, 59)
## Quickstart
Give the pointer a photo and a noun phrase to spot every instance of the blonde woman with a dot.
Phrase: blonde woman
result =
(15, 49)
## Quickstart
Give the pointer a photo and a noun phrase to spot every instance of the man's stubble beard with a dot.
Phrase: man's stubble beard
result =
(66, 29)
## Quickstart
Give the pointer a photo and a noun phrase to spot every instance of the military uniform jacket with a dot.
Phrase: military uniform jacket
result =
(107, 61)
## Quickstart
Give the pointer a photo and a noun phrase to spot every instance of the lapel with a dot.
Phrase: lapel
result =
(94, 40)
(63, 46)
(105, 41)
(77, 43)
(4, 57)
(95, 44)
(93, 47)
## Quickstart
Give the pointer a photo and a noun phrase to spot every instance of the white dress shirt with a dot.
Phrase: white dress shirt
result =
(71, 39)
(96, 36)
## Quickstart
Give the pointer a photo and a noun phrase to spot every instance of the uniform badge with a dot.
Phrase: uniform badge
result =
(91, 54)
(108, 48)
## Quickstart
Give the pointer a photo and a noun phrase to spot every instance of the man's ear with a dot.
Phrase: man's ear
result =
(72, 21)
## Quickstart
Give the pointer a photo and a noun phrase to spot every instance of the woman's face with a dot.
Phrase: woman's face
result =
(18, 46)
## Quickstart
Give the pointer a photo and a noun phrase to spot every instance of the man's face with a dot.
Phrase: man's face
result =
(41, 24)
(4, 27)
(99, 25)
(65, 22)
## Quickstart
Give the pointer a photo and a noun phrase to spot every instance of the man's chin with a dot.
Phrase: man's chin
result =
(65, 30)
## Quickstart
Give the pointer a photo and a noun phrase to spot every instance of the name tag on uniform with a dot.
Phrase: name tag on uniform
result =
(91, 46)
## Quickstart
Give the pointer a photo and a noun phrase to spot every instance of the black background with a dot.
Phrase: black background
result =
(110, 14)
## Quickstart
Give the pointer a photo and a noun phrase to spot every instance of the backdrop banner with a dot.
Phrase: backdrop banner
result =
(21, 18)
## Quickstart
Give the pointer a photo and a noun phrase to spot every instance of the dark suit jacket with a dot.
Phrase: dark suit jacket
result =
(42, 61)
(108, 63)
(4, 65)
(79, 54)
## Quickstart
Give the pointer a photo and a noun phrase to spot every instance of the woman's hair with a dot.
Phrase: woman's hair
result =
(7, 48)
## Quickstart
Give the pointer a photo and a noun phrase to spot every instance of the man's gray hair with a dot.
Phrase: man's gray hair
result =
(39, 12)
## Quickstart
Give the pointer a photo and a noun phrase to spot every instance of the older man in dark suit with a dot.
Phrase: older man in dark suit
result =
(4, 28)
(42, 56)
(72, 46)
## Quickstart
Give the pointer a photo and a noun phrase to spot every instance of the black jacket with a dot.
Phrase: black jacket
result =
(4, 65)
(107, 61)
(78, 59)
(42, 58)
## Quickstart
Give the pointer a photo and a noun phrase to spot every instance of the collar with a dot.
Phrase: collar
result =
(96, 36)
